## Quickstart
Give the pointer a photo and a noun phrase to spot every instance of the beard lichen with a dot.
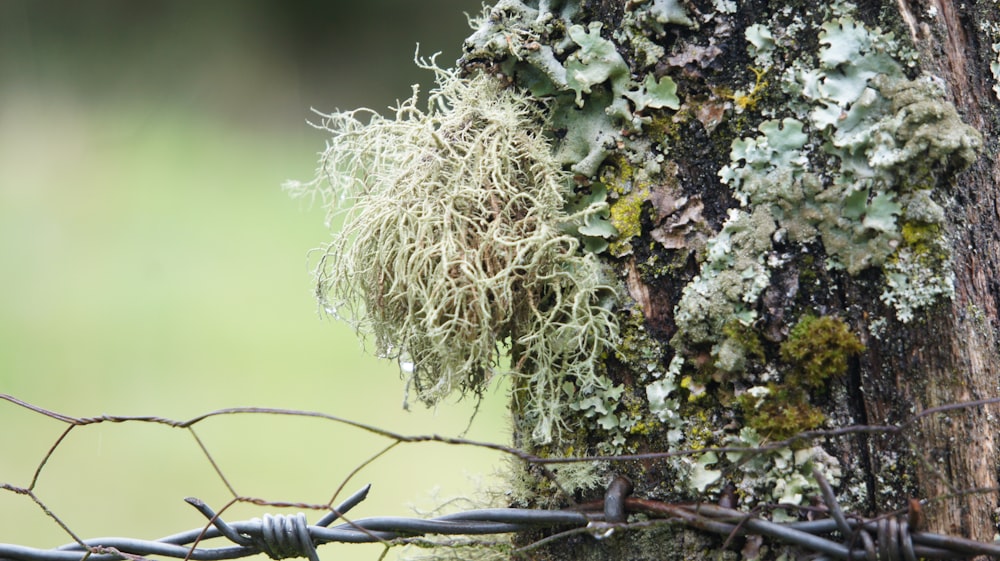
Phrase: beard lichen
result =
(454, 255)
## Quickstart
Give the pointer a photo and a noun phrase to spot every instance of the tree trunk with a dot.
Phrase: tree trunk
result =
(806, 238)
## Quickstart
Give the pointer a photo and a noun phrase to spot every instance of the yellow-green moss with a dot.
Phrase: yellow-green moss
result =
(626, 211)
(645, 428)
(784, 412)
(922, 238)
(626, 217)
(807, 272)
(696, 390)
(817, 349)
(747, 338)
(666, 128)
(700, 430)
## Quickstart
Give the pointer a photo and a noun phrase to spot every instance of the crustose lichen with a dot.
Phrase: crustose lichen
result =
(454, 252)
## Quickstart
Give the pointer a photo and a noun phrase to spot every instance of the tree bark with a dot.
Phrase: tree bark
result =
(953, 355)
(670, 218)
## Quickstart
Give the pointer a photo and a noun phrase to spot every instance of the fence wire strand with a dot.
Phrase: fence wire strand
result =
(834, 535)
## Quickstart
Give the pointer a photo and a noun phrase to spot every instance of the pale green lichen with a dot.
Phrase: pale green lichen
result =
(697, 471)
(664, 12)
(598, 402)
(589, 218)
(913, 283)
(663, 401)
(783, 476)
(655, 93)
(595, 62)
(594, 96)
(760, 44)
(522, 489)
(454, 249)
(857, 165)
(919, 274)
(725, 6)
(643, 25)
(701, 475)
(891, 138)
(590, 134)
(732, 277)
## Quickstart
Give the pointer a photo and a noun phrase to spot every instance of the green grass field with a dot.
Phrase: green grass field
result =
(151, 265)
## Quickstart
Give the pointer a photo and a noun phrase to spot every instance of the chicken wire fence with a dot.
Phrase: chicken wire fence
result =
(829, 533)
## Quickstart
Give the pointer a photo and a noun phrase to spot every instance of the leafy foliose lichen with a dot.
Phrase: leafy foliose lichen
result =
(580, 69)
(454, 248)
(733, 275)
(849, 173)
(783, 476)
(893, 141)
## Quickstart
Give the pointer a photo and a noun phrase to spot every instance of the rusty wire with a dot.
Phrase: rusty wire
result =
(837, 536)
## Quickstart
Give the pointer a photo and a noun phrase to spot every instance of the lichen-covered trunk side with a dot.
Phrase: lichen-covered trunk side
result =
(953, 355)
(693, 232)
(805, 238)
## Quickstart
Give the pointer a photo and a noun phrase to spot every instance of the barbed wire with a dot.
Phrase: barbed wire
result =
(830, 534)
(289, 536)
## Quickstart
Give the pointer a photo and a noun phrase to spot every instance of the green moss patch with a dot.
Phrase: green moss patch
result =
(817, 349)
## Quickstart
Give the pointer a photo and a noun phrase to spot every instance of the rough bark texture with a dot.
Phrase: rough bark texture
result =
(952, 355)
(946, 353)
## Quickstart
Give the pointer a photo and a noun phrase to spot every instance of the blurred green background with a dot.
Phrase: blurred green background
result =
(151, 264)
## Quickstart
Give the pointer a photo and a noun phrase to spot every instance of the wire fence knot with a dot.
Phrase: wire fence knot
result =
(284, 536)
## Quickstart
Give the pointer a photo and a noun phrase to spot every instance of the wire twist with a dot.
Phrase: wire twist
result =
(283, 536)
